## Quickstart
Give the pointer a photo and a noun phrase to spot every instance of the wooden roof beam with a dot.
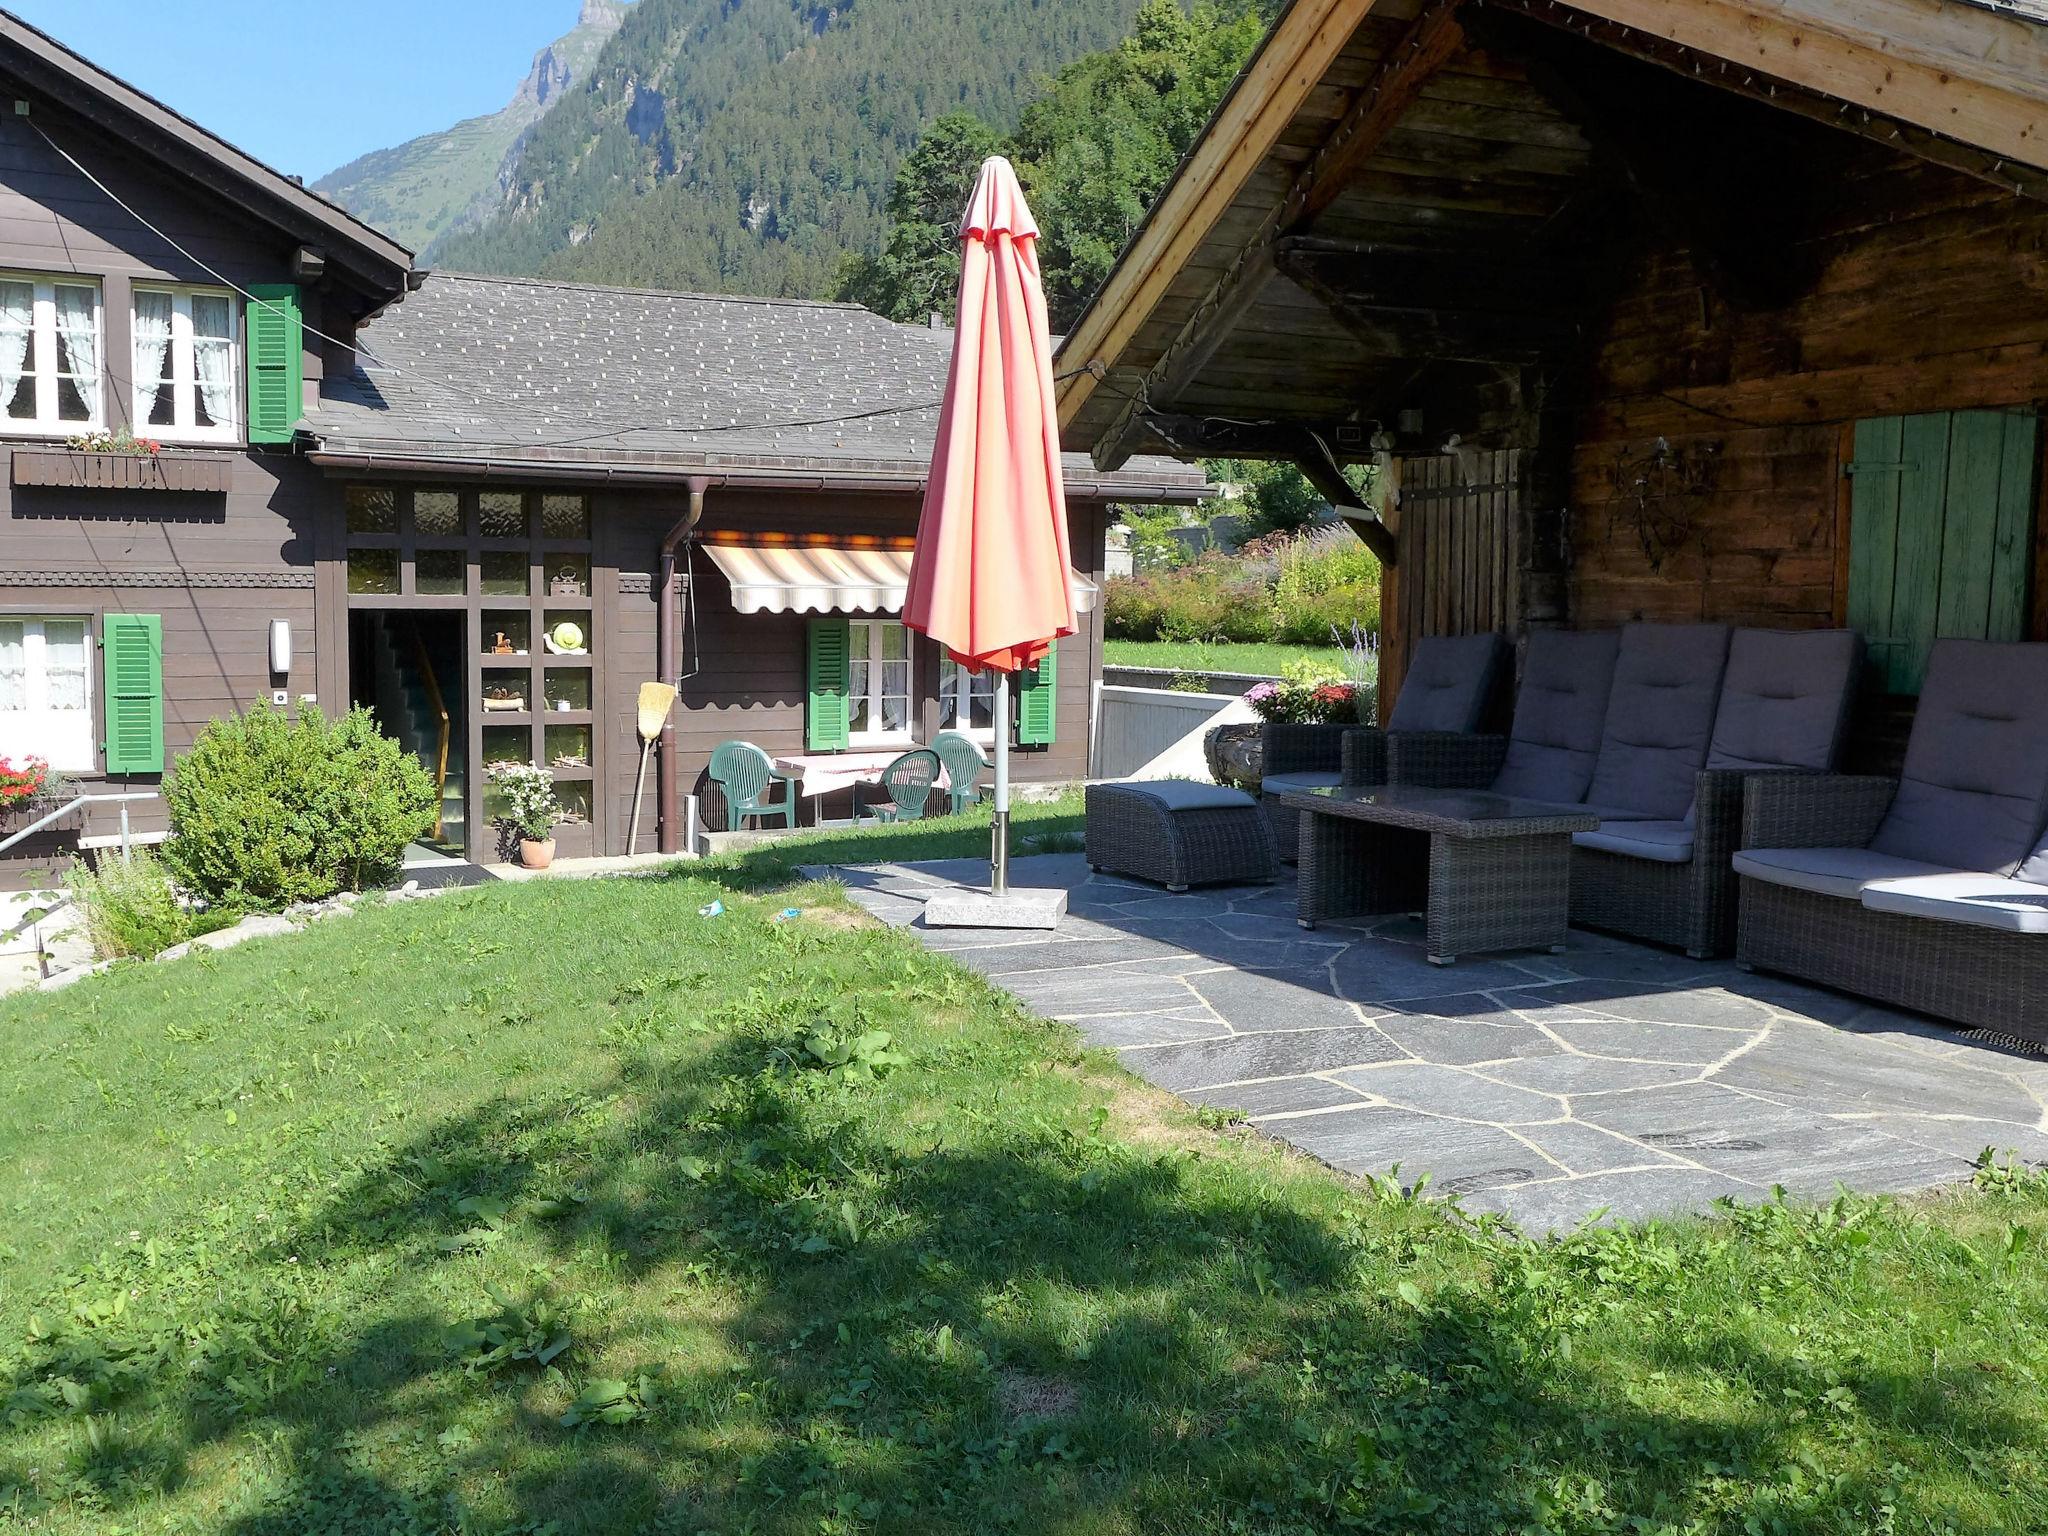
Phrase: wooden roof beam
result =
(1310, 447)
(1785, 95)
(1431, 40)
(1879, 55)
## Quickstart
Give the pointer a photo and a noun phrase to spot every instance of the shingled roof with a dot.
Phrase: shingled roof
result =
(523, 373)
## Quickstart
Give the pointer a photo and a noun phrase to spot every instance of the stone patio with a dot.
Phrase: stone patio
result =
(1613, 1078)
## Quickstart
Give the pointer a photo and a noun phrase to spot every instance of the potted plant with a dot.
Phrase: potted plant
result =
(531, 810)
(21, 782)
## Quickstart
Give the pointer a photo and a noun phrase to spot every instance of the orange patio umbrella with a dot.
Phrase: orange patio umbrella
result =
(990, 577)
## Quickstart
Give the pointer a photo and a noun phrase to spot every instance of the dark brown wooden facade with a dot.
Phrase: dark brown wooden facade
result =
(1606, 290)
(224, 540)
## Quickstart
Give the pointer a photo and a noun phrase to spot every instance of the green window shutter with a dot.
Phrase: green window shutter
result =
(134, 647)
(1940, 528)
(826, 677)
(276, 347)
(1038, 692)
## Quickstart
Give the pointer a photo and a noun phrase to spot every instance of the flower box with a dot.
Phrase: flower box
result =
(76, 470)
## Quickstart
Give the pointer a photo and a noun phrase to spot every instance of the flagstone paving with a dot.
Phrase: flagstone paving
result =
(1613, 1079)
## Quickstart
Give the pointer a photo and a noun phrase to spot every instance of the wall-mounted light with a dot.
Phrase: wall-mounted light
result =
(280, 647)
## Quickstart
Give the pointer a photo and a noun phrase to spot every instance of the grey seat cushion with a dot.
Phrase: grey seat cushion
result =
(1664, 842)
(1974, 785)
(1566, 676)
(1829, 871)
(1282, 783)
(2035, 867)
(1985, 901)
(1447, 684)
(1660, 717)
(1785, 698)
(1187, 795)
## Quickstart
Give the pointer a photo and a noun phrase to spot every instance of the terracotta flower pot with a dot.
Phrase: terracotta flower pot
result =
(536, 853)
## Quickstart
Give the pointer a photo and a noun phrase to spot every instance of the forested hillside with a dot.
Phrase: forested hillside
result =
(749, 145)
(1093, 150)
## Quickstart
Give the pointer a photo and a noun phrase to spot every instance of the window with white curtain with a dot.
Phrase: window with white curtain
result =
(967, 700)
(185, 365)
(46, 690)
(50, 353)
(878, 683)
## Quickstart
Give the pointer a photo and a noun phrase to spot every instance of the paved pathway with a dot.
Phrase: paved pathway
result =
(1549, 1087)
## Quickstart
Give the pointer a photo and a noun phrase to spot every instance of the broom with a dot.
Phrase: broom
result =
(656, 700)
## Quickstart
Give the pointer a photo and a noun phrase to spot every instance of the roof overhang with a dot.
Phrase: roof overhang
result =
(886, 477)
(373, 261)
(1949, 81)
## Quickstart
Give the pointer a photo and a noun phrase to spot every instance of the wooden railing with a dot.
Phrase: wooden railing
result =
(440, 708)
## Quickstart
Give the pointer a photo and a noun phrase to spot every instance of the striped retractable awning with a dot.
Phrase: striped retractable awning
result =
(822, 579)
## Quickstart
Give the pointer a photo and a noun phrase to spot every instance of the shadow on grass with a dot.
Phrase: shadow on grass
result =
(1019, 1326)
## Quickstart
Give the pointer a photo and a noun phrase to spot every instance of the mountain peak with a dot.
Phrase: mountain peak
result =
(423, 189)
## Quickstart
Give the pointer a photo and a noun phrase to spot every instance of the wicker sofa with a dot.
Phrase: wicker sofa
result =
(1448, 687)
(1929, 891)
(1549, 752)
(1784, 707)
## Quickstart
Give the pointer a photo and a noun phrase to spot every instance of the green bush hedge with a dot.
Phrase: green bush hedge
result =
(269, 808)
(1294, 593)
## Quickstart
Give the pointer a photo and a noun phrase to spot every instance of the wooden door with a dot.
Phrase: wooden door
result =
(1458, 570)
(1940, 534)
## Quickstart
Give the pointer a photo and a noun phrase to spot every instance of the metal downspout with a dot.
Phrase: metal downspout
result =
(668, 668)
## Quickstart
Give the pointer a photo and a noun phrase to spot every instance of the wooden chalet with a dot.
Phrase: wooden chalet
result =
(1668, 309)
(377, 486)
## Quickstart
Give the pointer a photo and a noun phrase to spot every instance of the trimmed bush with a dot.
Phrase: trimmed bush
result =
(269, 808)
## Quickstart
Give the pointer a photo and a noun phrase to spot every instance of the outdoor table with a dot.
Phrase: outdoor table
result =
(1491, 871)
(823, 773)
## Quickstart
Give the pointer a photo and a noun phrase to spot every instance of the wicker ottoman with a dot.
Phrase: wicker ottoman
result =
(1178, 833)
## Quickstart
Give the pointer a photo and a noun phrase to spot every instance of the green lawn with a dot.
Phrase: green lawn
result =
(538, 1208)
(1216, 656)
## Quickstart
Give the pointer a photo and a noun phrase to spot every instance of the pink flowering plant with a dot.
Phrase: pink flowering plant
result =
(1307, 695)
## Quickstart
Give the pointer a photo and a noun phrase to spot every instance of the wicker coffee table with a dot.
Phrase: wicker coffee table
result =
(1492, 872)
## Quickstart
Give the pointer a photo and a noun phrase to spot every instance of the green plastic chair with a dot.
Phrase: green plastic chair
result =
(908, 782)
(748, 777)
(964, 762)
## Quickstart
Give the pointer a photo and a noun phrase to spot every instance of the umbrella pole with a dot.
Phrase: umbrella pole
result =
(999, 841)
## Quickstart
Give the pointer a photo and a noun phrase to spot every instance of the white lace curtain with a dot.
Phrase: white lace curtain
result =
(212, 328)
(152, 345)
(17, 331)
(78, 328)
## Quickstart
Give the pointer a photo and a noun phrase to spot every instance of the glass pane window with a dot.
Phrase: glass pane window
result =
(565, 517)
(505, 573)
(46, 690)
(51, 355)
(502, 514)
(373, 571)
(967, 700)
(13, 665)
(437, 514)
(878, 680)
(440, 572)
(372, 509)
(186, 370)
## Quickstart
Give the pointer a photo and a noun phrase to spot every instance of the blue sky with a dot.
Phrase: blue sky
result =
(378, 71)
